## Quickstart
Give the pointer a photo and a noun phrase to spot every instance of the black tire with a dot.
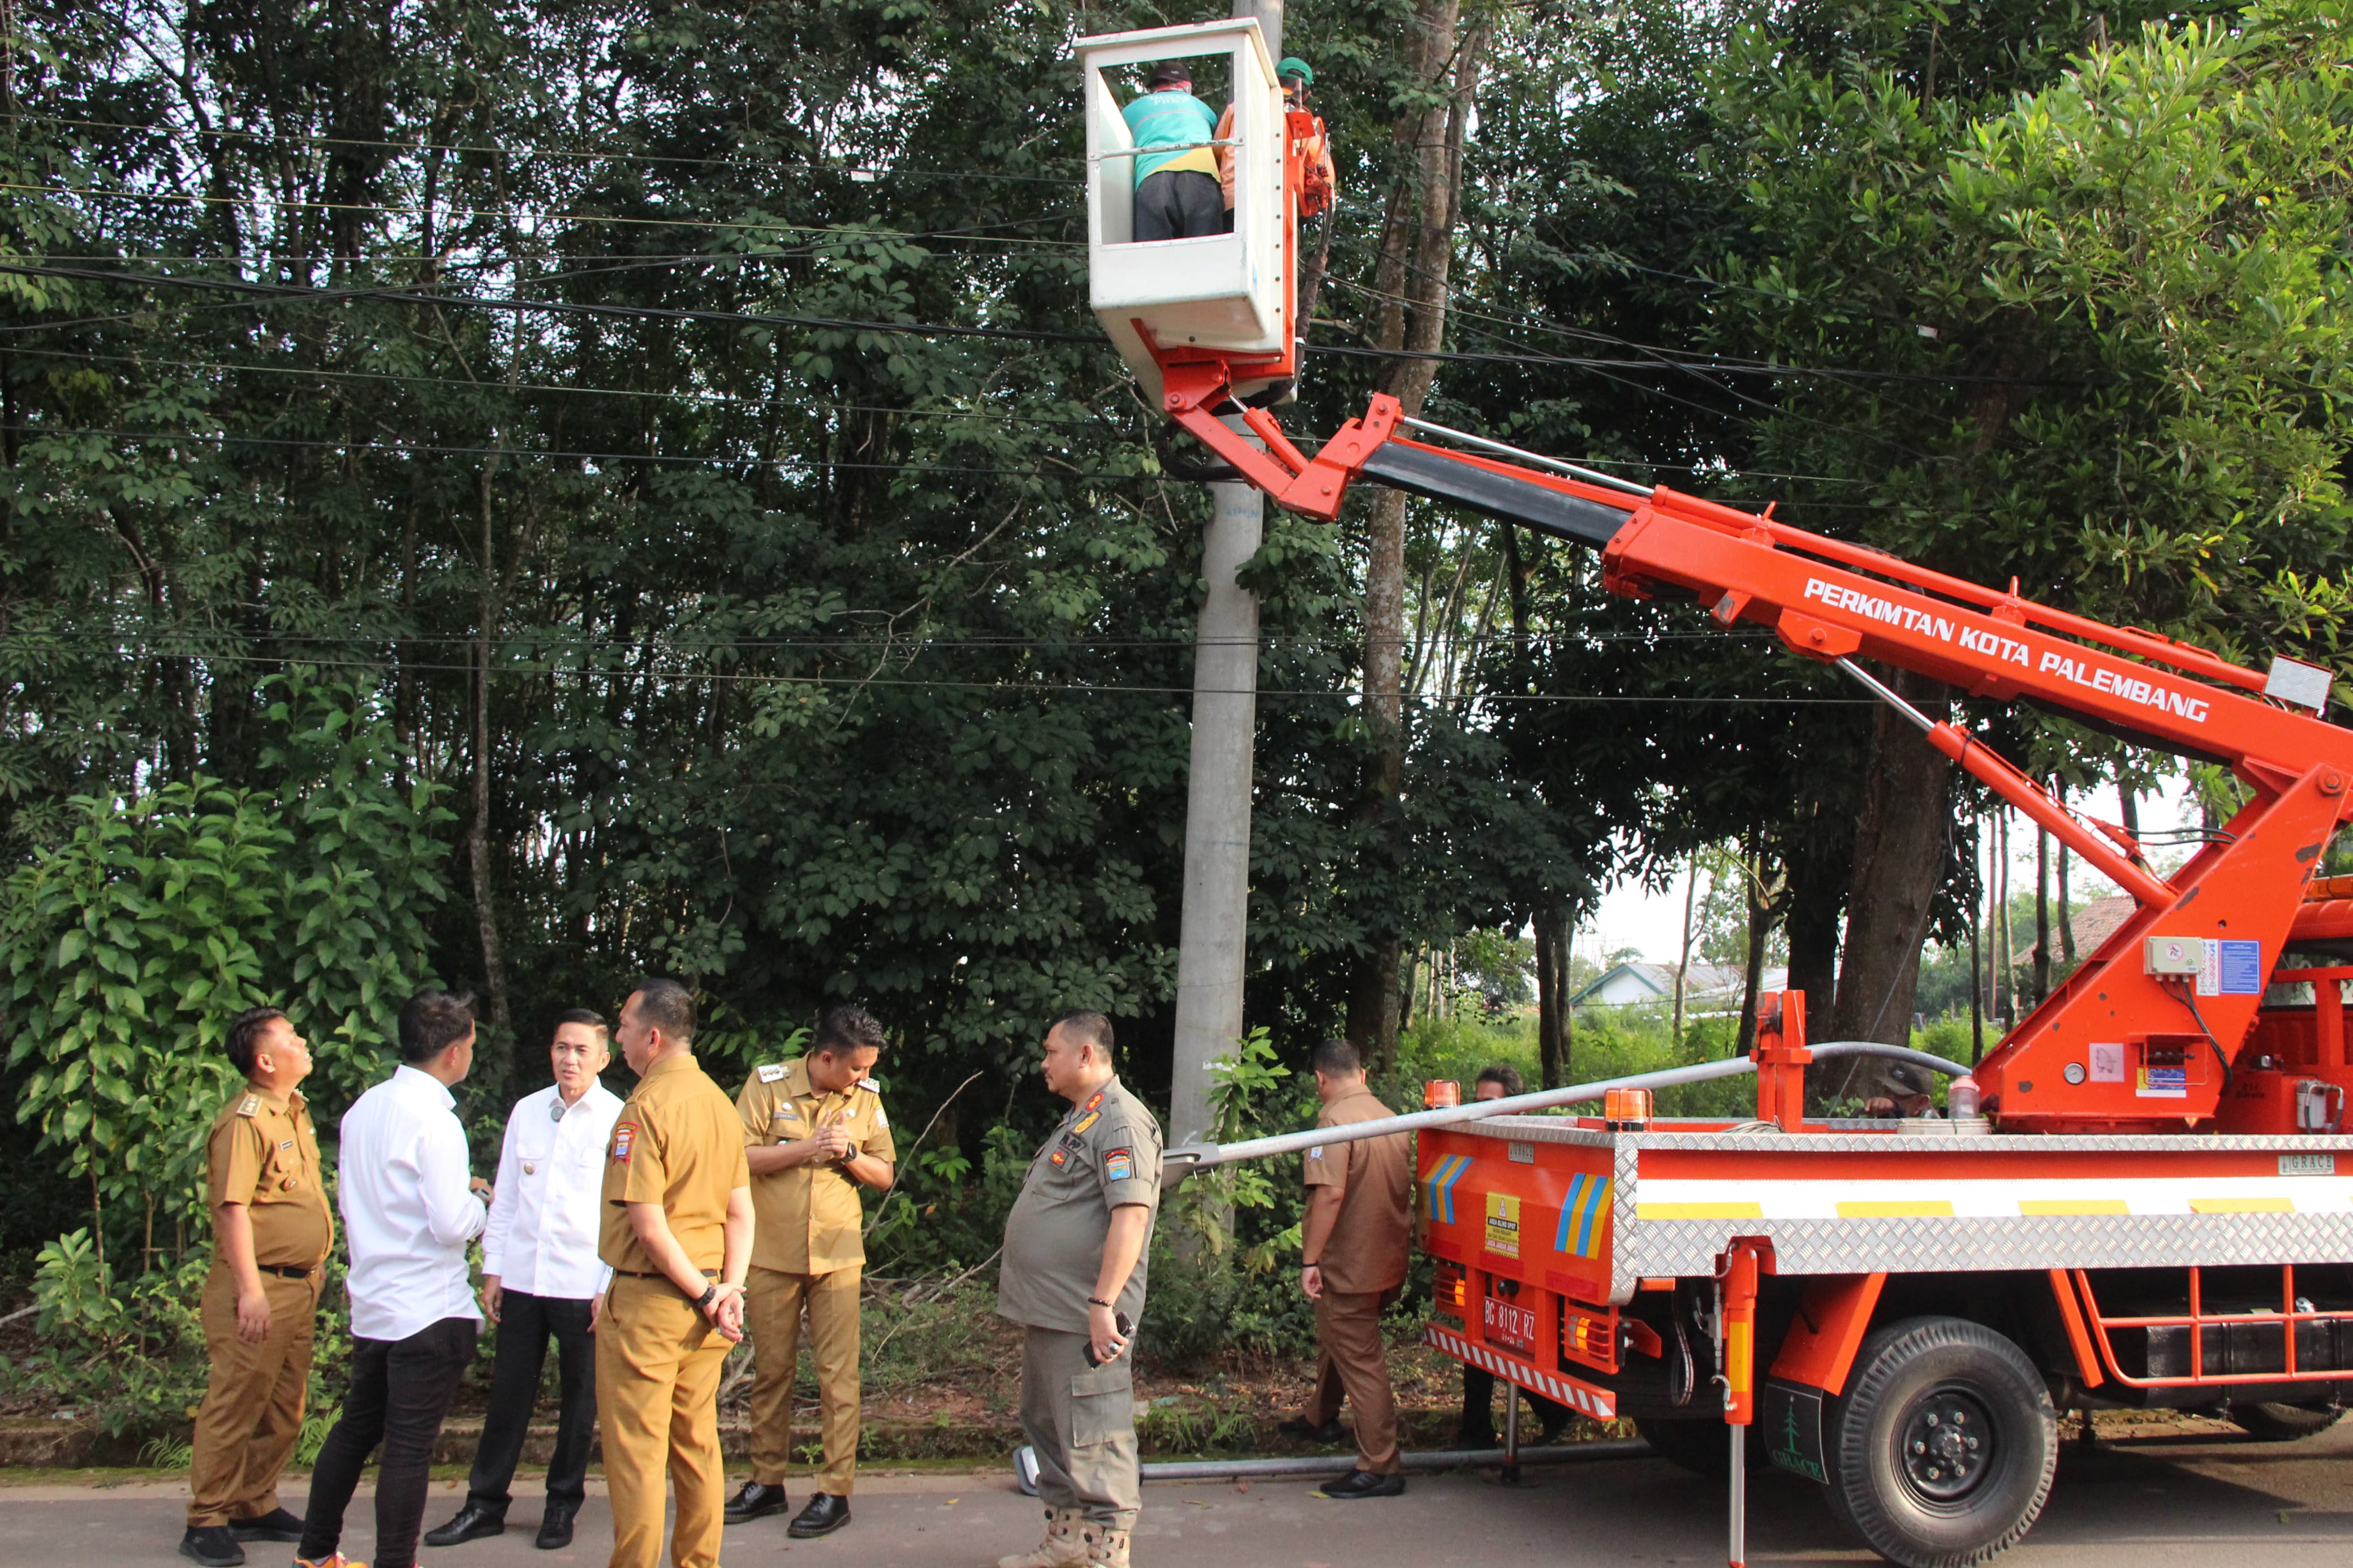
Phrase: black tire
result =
(2285, 1423)
(1941, 1450)
(1702, 1446)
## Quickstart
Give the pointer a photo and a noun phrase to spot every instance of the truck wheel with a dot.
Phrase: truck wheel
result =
(1942, 1448)
(1702, 1446)
(2280, 1423)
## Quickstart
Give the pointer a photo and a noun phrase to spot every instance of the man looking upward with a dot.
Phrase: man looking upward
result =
(1076, 1246)
(814, 1133)
(272, 1232)
(542, 1279)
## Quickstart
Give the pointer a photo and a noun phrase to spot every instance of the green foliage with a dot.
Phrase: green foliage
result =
(131, 1360)
(129, 946)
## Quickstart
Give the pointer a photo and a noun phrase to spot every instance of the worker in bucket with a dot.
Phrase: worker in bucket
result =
(1176, 168)
(1500, 1081)
(1353, 1256)
(1321, 181)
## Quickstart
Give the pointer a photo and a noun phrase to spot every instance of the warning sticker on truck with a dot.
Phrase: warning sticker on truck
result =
(1502, 1224)
(2163, 1083)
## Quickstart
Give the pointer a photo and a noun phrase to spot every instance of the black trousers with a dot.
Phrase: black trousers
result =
(1179, 203)
(1479, 1402)
(526, 1323)
(399, 1391)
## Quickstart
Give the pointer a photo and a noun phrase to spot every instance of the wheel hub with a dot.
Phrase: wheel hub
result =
(1948, 1445)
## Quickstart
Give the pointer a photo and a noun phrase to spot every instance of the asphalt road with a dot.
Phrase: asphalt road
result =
(2187, 1501)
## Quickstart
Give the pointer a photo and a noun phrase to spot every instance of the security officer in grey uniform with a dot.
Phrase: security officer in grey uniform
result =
(1075, 1250)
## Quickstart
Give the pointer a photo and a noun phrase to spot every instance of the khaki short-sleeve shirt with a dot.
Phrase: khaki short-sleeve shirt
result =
(676, 1143)
(1105, 1154)
(261, 1152)
(1366, 1251)
(812, 1219)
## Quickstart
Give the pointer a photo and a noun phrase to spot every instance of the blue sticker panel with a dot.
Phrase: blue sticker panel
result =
(2243, 968)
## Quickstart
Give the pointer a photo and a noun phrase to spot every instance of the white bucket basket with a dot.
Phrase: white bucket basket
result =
(1227, 291)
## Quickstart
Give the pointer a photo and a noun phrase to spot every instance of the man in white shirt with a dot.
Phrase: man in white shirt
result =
(540, 1277)
(405, 1186)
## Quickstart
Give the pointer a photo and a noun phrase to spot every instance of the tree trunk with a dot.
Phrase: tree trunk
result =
(2005, 954)
(478, 825)
(1764, 907)
(1899, 860)
(2042, 914)
(1410, 278)
(1554, 1025)
(2066, 916)
(1977, 966)
(1817, 898)
(1683, 967)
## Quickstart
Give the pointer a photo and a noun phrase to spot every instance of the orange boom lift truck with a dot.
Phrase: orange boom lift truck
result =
(2145, 1206)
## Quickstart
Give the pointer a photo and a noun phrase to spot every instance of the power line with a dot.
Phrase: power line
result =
(608, 155)
(552, 307)
(411, 449)
(178, 197)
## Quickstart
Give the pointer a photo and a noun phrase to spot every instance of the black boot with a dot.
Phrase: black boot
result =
(276, 1525)
(212, 1545)
(756, 1502)
(475, 1522)
(825, 1514)
(555, 1524)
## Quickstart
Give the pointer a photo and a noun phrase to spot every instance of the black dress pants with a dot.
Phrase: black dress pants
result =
(399, 1391)
(1179, 203)
(526, 1323)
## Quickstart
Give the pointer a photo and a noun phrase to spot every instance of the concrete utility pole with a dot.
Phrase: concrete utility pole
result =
(1214, 929)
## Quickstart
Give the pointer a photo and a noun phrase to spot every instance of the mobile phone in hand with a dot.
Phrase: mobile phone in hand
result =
(1119, 1321)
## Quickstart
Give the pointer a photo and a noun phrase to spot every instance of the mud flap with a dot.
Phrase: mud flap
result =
(1789, 1424)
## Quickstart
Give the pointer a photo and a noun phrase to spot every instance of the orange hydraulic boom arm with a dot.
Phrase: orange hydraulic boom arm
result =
(2140, 1037)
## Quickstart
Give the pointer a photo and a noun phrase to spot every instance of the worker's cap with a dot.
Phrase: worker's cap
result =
(1166, 71)
(1907, 1079)
(1292, 66)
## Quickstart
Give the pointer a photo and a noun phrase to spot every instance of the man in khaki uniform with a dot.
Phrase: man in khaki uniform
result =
(273, 1228)
(678, 1236)
(814, 1132)
(1353, 1255)
(1076, 1247)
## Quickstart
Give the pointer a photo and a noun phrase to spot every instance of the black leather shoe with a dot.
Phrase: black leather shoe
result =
(755, 1501)
(1331, 1432)
(1364, 1483)
(276, 1525)
(555, 1526)
(212, 1545)
(474, 1521)
(825, 1514)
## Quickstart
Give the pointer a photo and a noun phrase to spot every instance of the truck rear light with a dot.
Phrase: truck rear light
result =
(1449, 1289)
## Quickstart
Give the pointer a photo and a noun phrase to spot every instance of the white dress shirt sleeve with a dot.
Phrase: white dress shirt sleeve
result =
(503, 1198)
(453, 1215)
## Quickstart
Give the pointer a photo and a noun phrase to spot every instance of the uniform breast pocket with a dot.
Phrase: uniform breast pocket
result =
(533, 1157)
(1102, 1404)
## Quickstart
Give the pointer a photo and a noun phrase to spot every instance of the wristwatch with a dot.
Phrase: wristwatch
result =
(709, 1294)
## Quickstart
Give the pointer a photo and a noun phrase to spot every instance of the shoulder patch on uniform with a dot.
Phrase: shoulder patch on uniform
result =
(624, 1135)
(1119, 1165)
(1095, 1103)
(1316, 1153)
(771, 1071)
(249, 1106)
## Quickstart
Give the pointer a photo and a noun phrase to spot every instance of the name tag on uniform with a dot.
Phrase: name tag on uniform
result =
(285, 1143)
